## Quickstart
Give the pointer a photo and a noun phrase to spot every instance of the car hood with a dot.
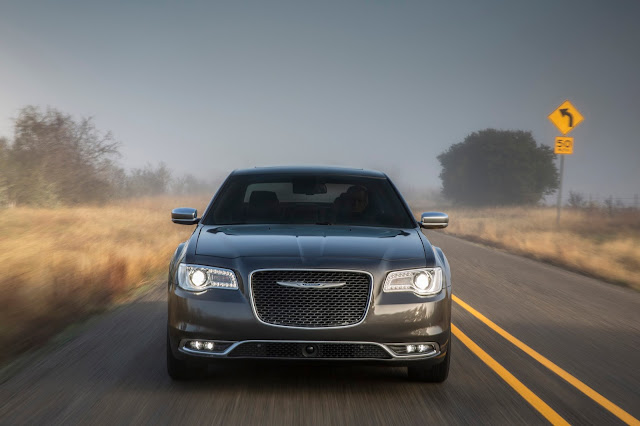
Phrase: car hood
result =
(309, 241)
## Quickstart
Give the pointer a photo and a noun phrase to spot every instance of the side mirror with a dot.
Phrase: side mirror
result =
(185, 216)
(434, 220)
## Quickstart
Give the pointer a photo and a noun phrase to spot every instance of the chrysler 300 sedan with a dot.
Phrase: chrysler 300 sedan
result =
(309, 264)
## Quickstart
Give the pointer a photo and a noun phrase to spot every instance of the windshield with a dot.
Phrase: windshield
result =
(309, 200)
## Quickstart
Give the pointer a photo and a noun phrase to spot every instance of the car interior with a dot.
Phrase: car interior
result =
(314, 202)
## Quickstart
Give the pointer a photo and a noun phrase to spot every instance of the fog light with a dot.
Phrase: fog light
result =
(208, 346)
(424, 348)
(413, 349)
(196, 344)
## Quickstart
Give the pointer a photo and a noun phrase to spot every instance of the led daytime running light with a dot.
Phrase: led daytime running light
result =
(200, 278)
(423, 282)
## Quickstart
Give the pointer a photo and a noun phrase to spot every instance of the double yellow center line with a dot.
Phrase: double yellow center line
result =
(529, 396)
(525, 392)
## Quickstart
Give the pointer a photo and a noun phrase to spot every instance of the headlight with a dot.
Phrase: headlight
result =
(423, 282)
(200, 278)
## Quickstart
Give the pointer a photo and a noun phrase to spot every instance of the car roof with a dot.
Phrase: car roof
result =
(310, 170)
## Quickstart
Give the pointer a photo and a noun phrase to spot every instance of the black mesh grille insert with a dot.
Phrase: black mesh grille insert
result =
(311, 307)
(297, 350)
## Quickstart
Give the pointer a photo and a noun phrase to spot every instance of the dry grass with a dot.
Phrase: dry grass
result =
(592, 242)
(58, 265)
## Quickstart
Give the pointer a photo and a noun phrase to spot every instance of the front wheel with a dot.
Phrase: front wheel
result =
(432, 373)
(178, 369)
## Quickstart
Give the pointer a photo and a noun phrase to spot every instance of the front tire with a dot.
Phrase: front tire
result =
(178, 369)
(438, 373)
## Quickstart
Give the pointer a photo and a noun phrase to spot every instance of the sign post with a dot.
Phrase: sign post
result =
(566, 117)
(559, 207)
(564, 146)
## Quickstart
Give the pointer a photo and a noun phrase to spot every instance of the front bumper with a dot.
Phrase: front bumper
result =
(299, 349)
(227, 316)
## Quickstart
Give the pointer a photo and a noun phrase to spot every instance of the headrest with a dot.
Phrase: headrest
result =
(263, 197)
(356, 188)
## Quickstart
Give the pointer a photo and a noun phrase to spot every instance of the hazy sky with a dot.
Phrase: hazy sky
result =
(212, 86)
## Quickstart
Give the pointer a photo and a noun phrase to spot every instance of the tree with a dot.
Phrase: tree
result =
(148, 181)
(189, 184)
(4, 171)
(576, 200)
(498, 167)
(56, 159)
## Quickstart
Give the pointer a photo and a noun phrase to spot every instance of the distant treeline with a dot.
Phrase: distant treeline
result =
(493, 167)
(578, 200)
(54, 159)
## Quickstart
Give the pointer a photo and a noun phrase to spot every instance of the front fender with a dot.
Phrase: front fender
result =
(177, 257)
(445, 263)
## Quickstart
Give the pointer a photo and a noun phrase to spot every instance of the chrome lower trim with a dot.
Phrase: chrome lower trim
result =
(182, 348)
(255, 313)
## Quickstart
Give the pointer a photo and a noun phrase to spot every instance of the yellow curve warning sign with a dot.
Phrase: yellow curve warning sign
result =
(566, 117)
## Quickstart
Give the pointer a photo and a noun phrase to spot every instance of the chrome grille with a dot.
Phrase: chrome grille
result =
(303, 307)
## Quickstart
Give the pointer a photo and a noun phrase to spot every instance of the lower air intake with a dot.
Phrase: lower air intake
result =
(293, 350)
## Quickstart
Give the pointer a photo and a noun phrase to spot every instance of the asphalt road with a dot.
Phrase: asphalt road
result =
(114, 371)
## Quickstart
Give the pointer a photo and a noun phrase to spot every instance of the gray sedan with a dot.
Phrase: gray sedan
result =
(309, 264)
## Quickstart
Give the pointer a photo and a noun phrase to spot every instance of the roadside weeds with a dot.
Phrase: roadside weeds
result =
(606, 248)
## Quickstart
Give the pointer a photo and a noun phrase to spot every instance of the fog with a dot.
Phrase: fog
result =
(123, 288)
(208, 88)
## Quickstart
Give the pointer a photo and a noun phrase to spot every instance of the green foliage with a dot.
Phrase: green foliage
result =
(498, 167)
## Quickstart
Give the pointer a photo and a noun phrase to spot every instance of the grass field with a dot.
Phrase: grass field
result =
(59, 265)
(593, 242)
